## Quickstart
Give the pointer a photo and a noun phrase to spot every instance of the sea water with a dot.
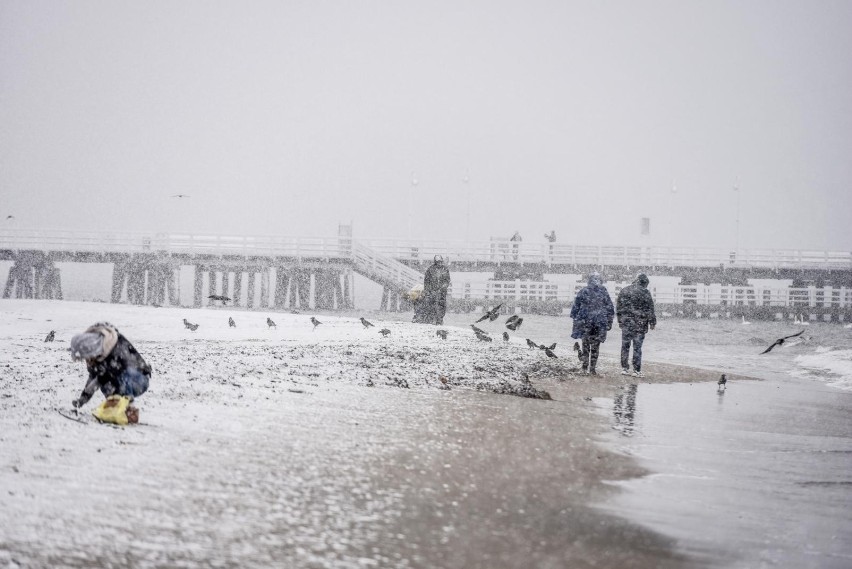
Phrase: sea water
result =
(758, 474)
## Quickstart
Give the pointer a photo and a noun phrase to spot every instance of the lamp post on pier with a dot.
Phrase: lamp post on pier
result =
(737, 242)
(466, 181)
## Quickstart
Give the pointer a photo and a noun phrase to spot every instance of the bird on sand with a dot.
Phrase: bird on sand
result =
(514, 324)
(270, 323)
(549, 352)
(221, 297)
(181, 196)
(780, 341)
(190, 325)
(478, 330)
(578, 350)
(745, 322)
(531, 344)
(505, 336)
(50, 336)
(315, 322)
(231, 322)
(384, 332)
(491, 314)
(723, 381)
(366, 322)
(442, 334)
(484, 338)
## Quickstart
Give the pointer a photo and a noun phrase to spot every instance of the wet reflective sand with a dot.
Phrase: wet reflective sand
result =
(331, 477)
(756, 475)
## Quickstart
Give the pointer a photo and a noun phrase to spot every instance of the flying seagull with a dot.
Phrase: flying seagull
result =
(549, 353)
(315, 322)
(181, 196)
(271, 323)
(780, 341)
(366, 322)
(231, 322)
(491, 314)
(550, 347)
(514, 324)
(190, 325)
(221, 297)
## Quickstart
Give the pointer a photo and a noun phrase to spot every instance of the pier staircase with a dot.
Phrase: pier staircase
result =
(383, 269)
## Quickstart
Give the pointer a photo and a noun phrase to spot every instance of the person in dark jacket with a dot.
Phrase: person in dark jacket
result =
(593, 315)
(635, 311)
(114, 365)
(435, 285)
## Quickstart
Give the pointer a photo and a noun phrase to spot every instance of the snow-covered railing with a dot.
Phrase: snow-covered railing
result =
(506, 251)
(104, 242)
(716, 294)
(489, 252)
(713, 294)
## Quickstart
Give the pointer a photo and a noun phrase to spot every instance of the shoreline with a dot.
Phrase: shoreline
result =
(467, 478)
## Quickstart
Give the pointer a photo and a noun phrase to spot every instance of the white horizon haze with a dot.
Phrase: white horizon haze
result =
(290, 118)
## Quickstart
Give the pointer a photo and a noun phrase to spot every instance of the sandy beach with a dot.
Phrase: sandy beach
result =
(332, 447)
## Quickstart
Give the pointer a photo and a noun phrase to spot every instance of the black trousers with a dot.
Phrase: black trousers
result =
(589, 355)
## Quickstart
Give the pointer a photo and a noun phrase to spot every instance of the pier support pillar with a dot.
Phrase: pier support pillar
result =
(303, 280)
(198, 286)
(282, 279)
(238, 287)
(264, 287)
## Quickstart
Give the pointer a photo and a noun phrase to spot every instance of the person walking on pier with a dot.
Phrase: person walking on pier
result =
(635, 310)
(593, 314)
(551, 239)
(516, 240)
(435, 285)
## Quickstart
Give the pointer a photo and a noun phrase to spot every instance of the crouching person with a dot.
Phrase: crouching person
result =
(115, 367)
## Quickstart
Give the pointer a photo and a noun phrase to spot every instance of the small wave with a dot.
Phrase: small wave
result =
(829, 365)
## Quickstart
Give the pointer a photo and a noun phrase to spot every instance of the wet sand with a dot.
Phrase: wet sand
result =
(755, 476)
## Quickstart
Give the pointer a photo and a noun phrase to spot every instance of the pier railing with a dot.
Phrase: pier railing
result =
(713, 294)
(495, 251)
(385, 270)
(506, 251)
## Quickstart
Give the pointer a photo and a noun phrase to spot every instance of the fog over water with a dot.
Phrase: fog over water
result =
(289, 118)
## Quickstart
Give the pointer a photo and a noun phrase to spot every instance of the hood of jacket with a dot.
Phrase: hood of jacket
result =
(110, 334)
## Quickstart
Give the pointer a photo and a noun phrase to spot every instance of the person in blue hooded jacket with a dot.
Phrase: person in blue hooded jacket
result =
(593, 314)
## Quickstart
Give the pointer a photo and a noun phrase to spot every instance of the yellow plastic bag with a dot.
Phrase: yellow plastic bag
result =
(116, 409)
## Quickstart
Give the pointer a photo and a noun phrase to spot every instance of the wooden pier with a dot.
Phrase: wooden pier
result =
(290, 272)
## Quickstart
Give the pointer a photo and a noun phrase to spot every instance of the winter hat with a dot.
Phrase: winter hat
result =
(96, 342)
(86, 346)
(595, 279)
(642, 279)
(439, 259)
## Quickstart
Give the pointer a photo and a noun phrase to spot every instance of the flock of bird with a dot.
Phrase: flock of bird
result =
(512, 323)
(270, 323)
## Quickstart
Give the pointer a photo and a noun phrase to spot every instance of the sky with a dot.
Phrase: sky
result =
(432, 120)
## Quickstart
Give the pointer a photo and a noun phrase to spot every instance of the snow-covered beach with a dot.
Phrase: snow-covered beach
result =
(337, 447)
